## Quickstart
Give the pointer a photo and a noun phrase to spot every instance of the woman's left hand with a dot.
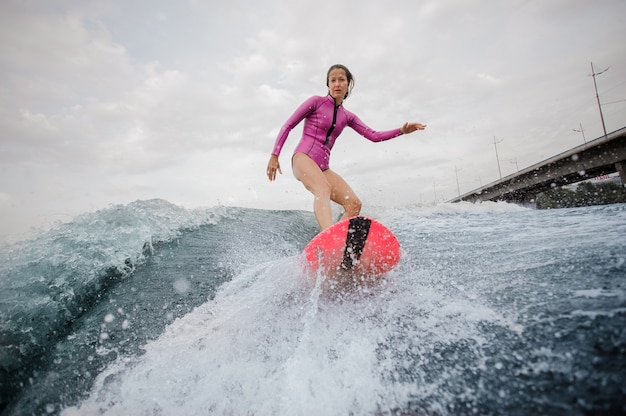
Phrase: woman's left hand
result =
(411, 127)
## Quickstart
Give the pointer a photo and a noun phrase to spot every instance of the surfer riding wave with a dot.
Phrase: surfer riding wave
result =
(324, 120)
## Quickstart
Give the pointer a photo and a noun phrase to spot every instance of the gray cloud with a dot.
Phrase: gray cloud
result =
(109, 103)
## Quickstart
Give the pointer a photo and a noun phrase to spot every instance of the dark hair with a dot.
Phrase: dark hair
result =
(348, 75)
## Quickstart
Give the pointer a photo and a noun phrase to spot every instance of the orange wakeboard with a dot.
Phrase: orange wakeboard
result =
(353, 251)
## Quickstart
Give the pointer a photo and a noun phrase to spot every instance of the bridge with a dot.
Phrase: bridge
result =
(602, 156)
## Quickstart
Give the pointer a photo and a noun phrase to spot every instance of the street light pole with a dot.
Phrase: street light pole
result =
(593, 74)
(495, 144)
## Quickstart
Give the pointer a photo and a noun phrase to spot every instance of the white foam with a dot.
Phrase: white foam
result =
(270, 344)
(596, 293)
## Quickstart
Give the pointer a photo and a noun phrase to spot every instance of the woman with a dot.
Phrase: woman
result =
(325, 118)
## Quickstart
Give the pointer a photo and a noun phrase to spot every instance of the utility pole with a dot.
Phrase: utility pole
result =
(593, 74)
(581, 131)
(456, 172)
(495, 144)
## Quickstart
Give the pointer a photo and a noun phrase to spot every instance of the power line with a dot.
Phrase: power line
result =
(614, 102)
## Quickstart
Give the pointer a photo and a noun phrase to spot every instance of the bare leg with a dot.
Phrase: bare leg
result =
(312, 177)
(342, 194)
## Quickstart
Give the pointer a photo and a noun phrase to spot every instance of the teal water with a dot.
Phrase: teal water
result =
(149, 308)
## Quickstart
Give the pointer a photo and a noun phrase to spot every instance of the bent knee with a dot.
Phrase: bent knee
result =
(352, 205)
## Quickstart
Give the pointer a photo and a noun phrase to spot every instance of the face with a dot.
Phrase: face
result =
(337, 84)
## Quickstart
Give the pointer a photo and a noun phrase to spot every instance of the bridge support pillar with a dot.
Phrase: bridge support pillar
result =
(621, 168)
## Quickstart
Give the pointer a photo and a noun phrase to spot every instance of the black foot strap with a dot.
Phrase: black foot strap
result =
(358, 230)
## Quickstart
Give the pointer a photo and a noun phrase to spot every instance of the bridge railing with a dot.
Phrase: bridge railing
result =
(604, 155)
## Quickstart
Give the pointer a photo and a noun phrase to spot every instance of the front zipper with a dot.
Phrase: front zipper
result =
(332, 127)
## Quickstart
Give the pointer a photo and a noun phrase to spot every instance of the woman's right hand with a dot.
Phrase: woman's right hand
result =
(272, 166)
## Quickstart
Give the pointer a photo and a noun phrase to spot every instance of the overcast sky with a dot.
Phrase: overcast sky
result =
(108, 102)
